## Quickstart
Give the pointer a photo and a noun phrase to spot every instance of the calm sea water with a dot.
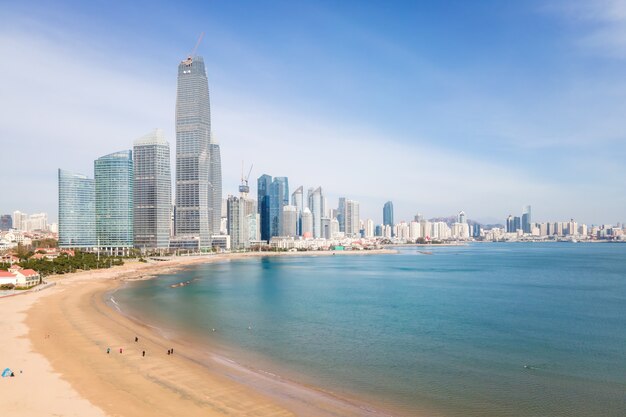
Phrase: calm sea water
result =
(450, 332)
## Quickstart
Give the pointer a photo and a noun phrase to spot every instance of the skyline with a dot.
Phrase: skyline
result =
(487, 188)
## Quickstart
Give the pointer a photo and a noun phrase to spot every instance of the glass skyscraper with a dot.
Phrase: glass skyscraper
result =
(263, 205)
(152, 191)
(114, 202)
(297, 200)
(388, 214)
(316, 205)
(279, 197)
(526, 219)
(77, 211)
(198, 177)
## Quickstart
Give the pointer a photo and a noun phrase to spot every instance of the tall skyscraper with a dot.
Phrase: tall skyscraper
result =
(215, 186)
(341, 213)
(279, 197)
(152, 191)
(290, 220)
(307, 223)
(77, 211)
(263, 205)
(114, 202)
(297, 200)
(526, 219)
(462, 218)
(194, 220)
(316, 205)
(351, 216)
(510, 225)
(388, 214)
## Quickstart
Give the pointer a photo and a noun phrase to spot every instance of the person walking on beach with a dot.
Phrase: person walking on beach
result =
(120, 350)
(136, 339)
(108, 350)
(168, 351)
(143, 354)
(172, 349)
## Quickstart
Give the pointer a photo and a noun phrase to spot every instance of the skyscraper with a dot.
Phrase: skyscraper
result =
(194, 221)
(461, 218)
(279, 197)
(510, 225)
(290, 220)
(388, 214)
(114, 202)
(351, 216)
(307, 223)
(316, 205)
(526, 219)
(297, 200)
(341, 212)
(215, 186)
(19, 220)
(263, 205)
(77, 211)
(152, 191)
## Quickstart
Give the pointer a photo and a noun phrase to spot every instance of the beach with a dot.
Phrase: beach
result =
(56, 342)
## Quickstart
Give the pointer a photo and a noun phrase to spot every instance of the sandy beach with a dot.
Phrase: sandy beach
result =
(56, 342)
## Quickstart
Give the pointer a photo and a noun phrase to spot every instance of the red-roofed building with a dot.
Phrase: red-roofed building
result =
(7, 278)
(27, 277)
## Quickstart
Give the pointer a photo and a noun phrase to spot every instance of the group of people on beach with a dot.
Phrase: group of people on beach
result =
(143, 352)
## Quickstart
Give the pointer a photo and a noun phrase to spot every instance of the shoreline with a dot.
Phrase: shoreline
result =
(70, 326)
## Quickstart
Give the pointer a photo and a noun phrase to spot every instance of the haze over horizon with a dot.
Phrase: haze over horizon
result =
(482, 107)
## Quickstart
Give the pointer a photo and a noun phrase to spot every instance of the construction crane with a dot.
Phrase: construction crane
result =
(195, 48)
(244, 188)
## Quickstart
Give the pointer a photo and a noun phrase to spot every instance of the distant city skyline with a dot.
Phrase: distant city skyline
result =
(486, 132)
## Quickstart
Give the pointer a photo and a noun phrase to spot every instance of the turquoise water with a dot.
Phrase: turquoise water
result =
(450, 332)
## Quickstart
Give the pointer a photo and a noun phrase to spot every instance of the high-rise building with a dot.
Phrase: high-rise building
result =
(341, 212)
(20, 220)
(263, 205)
(297, 200)
(307, 223)
(37, 221)
(326, 228)
(290, 220)
(215, 186)
(279, 197)
(194, 221)
(462, 218)
(77, 211)
(239, 213)
(351, 216)
(114, 202)
(152, 191)
(6, 222)
(316, 205)
(369, 228)
(510, 226)
(526, 219)
(517, 224)
(388, 214)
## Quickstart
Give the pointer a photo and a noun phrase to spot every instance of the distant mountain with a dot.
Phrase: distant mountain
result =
(452, 219)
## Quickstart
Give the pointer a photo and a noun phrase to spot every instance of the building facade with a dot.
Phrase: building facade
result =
(152, 191)
(77, 210)
(263, 205)
(193, 132)
(114, 202)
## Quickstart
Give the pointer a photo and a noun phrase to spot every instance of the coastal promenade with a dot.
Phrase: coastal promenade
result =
(56, 342)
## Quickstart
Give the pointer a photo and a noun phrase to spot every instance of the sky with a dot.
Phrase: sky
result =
(482, 106)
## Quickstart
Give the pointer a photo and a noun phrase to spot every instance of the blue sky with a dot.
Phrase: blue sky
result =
(481, 106)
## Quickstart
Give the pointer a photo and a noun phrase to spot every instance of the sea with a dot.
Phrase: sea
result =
(485, 329)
